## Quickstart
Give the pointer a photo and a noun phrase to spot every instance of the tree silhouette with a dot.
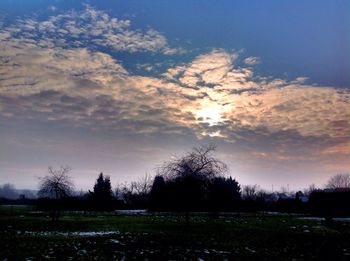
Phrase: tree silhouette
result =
(198, 163)
(250, 192)
(8, 191)
(188, 178)
(56, 185)
(157, 198)
(224, 194)
(102, 195)
(339, 181)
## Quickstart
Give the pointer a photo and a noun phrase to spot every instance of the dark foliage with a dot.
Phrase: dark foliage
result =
(330, 204)
(292, 205)
(223, 194)
(194, 182)
(158, 193)
(102, 196)
(194, 194)
(22, 201)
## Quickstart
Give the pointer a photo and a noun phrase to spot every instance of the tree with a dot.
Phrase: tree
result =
(330, 203)
(8, 191)
(250, 192)
(102, 187)
(307, 192)
(224, 193)
(188, 178)
(136, 193)
(143, 185)
(56, 185)
(102, 195)
(157, 198)
(198, 163)
(339, 181)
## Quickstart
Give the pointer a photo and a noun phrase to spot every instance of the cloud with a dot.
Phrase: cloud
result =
(235, 97)
(90, 28)
(306, 109)
(252, 60)
(215, 69)
(52, 8)
(210, 97)
(26, 68)
(85, 89)
(210, 89)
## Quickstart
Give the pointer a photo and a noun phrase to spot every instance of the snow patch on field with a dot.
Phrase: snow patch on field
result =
(73, 234)
(323, 219)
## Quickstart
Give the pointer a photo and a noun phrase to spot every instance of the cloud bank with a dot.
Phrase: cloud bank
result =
(48, 74)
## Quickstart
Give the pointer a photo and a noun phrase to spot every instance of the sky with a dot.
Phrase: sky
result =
(119, 87)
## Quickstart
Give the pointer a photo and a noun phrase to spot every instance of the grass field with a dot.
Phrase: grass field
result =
(27, 235)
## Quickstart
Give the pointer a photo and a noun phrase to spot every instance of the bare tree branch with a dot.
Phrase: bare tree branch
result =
(339, 181)
(198, 163)
(57, 184)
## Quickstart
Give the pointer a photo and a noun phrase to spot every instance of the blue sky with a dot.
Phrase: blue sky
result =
(99, 84)
(292, 38)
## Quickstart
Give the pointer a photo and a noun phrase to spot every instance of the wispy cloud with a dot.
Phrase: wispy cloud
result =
(90, 28)
(215, 69)
(252, 60)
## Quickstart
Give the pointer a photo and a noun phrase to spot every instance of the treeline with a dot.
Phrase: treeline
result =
(196, 181)
(8, 191)
(214, 195)
(181, 194)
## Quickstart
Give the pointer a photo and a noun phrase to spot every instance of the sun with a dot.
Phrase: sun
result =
(210, 113)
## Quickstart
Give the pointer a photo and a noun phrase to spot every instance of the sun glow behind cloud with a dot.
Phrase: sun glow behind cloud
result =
(210, 113)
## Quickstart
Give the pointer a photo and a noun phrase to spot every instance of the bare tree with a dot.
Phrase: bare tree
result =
(57, 184)
(135, 192)
(250, 191)
(339, 181)
(192, 174)
(143, 185)
(310, 189)
(122, 189)
(198, 163)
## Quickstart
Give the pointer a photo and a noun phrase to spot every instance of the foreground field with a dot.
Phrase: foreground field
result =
(26, 235)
